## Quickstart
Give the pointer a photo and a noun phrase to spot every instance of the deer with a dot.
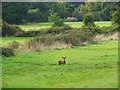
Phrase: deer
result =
(62, 62)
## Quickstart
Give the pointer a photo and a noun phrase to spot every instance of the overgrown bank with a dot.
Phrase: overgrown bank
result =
(60, 37)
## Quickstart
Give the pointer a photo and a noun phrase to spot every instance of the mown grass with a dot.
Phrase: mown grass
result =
(92, 66)
(21, 40)
(36, 26)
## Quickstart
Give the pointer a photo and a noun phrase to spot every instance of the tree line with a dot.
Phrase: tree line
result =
(25, 12)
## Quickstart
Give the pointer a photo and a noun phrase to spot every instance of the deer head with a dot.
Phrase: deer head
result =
(64, 58)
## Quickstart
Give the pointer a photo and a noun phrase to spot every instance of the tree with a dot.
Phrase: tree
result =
(34, 15)
(116, 15)
(55, 19)
(14, 13)
(88, 20)
(107, 9)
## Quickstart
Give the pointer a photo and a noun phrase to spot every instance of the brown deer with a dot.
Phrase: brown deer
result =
(62, 62)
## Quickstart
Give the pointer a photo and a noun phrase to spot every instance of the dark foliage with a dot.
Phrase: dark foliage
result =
(100, 30)
(88, 20)
(32, 33)
(10, 30)
(17, 12)
(7, 52)
(58, 30)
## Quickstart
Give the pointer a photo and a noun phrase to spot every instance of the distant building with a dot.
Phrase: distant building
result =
(71, 19)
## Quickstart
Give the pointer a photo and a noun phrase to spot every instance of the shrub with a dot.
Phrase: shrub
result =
(53, 30)
(58, 30)
(10, 30)
(55, 19)
(100, 30)
(31, 33)
(7, 52)
(76, 38)
(47, 40)
(88, 20)
(13, 44)
(111, 28)
(93, 29)
(58, 22)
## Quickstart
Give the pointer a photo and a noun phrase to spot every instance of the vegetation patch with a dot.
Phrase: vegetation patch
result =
(52, 30)
(32, 33)
(13, 45)
(100, 30)
(74, 38)
(10, 30)
(7, 52)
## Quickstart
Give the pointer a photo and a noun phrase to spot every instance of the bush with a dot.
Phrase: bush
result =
(48, 39)
(88, 20)
(93, 29)
(58, 30)
(59, 22)
(7, 52)
(43, 39)
(100, 30)
(13, 45)
(76, 38)
(10, 30)
(31, 33)
(55, 19)
(53, 30)
(111, 28)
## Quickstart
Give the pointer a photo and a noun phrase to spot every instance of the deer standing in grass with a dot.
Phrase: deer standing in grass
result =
(62, 62)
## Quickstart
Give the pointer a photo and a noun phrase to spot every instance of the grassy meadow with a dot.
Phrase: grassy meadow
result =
(21, 40)
(92, 66)
(36, 26)
(59, 45)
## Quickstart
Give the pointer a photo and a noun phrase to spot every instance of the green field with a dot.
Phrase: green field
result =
(21, 40)
(92, 66)
(36, 26)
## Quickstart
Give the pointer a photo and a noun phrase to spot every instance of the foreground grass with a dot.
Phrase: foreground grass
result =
(36, 26)
(21, 40)
(93, 66)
